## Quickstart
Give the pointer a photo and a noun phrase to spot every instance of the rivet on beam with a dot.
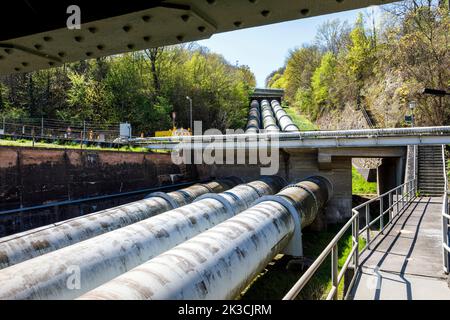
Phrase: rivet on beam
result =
(126, 28)
(147, 38)
(25, 64)
(89, 53)
(265, 13)
(78, 39)
(100, 47)
(185, 17)
(146, 18)
(180, 37)
(211, 1)
(61, 54)
(304, 11)
(130, 46)
(92, 29)
(201, 29)
(47, 38)
(37, 46)
(237, 24)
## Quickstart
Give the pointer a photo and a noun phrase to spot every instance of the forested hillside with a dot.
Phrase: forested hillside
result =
(380, 67)
(143, 88)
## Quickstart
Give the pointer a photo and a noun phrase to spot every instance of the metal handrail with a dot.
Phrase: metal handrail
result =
(443, 130)
(404, 195)
(366, 116)
(445, 219)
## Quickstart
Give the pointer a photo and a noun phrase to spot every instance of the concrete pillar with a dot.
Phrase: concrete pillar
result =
(390, 174)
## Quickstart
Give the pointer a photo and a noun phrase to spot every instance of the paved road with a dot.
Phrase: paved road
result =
(406, 263)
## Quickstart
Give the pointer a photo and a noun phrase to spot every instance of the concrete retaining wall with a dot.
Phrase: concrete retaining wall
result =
(30, 176)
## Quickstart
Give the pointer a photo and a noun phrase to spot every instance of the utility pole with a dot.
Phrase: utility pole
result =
(84, 130)
(412, 106)
(190, 114)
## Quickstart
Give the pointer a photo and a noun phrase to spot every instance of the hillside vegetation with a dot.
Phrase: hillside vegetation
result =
(142, 88)
(378, 66)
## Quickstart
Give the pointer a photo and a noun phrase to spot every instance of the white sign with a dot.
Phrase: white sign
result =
(125, 130)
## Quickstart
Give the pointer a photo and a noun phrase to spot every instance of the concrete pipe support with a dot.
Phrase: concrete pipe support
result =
(100, 259)
(221, 262)
(26, 245)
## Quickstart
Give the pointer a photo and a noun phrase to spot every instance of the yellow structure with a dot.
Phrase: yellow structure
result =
(173, 133)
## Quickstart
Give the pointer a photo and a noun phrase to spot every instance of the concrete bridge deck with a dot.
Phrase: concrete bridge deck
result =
(406, 262)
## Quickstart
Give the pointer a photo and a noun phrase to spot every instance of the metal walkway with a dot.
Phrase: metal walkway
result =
(406, 262)
(405, 255)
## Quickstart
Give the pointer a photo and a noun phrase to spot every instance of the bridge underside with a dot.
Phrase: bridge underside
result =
(34, 33)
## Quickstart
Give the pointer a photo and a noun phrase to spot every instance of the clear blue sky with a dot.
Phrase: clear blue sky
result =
(265, 49)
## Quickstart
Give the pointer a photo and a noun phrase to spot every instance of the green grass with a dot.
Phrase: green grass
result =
(301, 121)
(276, 280)
(360, 185)
(448, 169)
(61, 145)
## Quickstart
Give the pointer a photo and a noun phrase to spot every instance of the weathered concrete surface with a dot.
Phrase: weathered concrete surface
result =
(30, 176)
(406, 263)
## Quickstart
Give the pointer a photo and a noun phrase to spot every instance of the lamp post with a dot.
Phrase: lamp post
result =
(412, 106)
(190, 114)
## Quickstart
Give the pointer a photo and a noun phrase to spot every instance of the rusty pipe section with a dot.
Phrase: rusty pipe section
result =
(254, 118)
(221, 262)
(26, 245)
(268, 118)
(102, 258)
(284, 120)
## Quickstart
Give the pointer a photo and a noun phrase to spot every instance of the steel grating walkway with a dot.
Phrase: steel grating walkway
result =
(406, 263)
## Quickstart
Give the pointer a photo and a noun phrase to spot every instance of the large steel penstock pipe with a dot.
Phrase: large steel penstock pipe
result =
(268, 118)
(221, 262)
(254, 118)
(36, 242)
(284, 120)
(102, 258)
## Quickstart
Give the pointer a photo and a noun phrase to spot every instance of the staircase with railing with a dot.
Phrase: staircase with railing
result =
(368, 116)
(431, 180)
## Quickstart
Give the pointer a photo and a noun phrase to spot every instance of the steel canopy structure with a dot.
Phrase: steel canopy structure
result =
(35, 36)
